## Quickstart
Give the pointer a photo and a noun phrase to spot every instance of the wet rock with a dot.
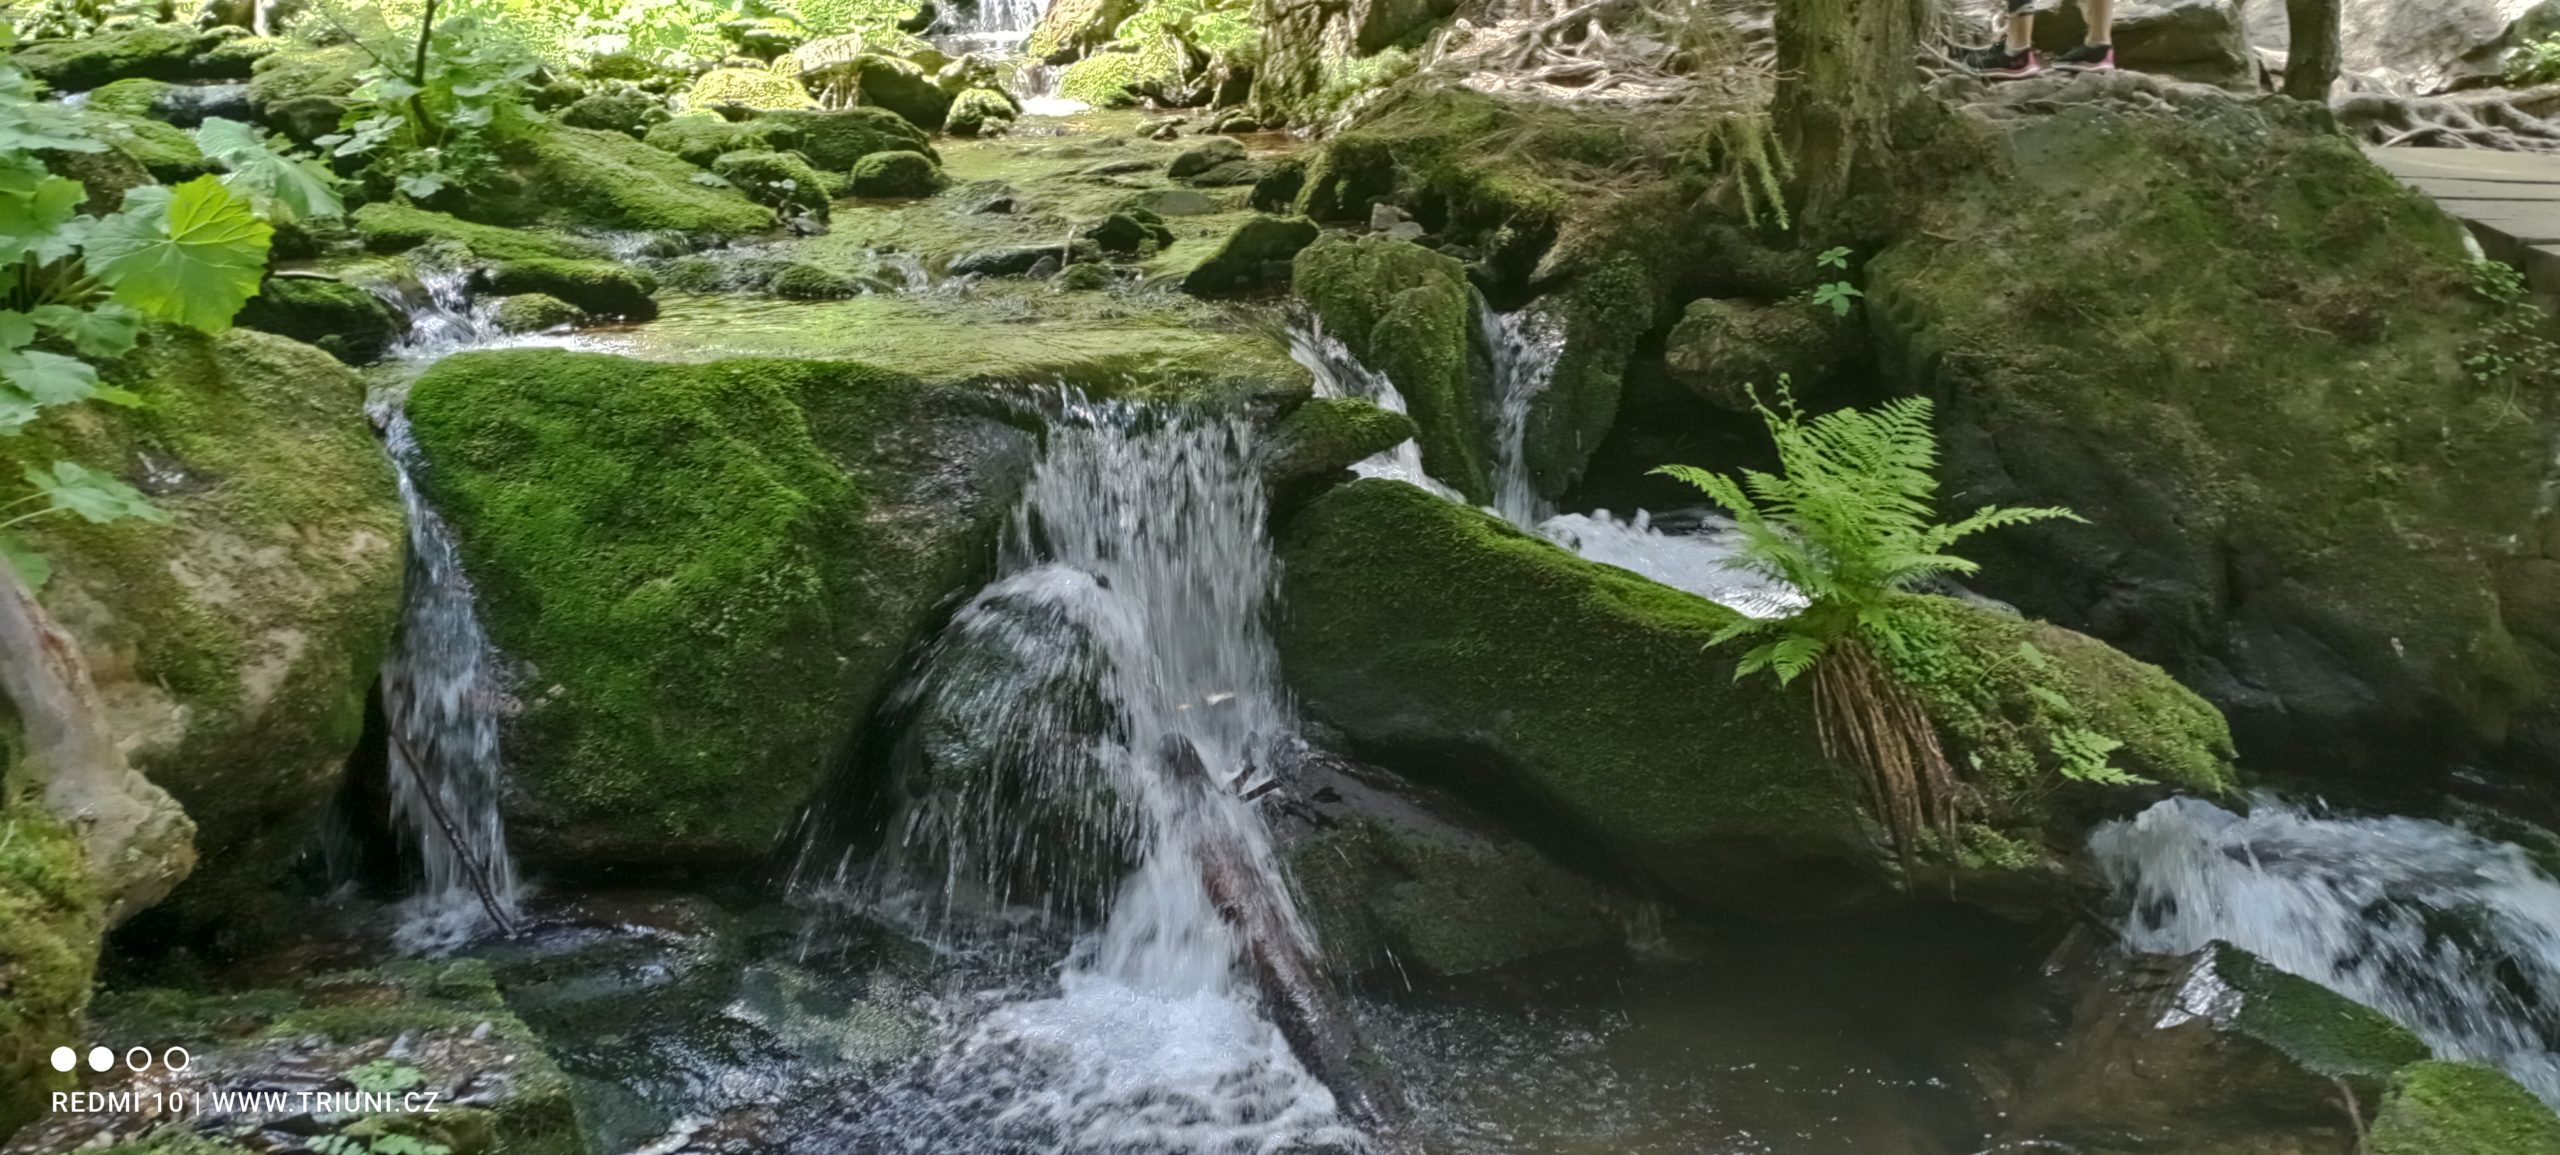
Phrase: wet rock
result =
(1235, 120)
(304, 92)
(536, 313)
(1408, 313)
(605, 180)
(151, 52)
(1130, 231)
(232, 647)
(182, 105)
(1084, 278)
(1204, 156)
(747, 88)
(1722, 349)
(1281, 182)
(1176, 202)
(602, 288)
(796, 525)
(896, 174)
(900, 87)
(387, 227)
(2234, 533)
(781, 181)
(801, 281)
(628, 111)
(980, 111)
(1012, 261)
(348, 321)
(2438, 1108)
(2198, 40)
(1322, 438)
(1255, 257)
(1161, 127)
(836, 139)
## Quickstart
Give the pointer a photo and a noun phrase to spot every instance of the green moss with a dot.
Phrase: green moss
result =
(684, 557)
(903, 88)
(2003, 687)
(702, 137)
(154, 51)
(346, 320)
(299, 73)
(1327, 435)
(134, 97)
(836, 138)
(896, 174)
(777, 180)
(1104, 79)
(979, 110)
(166, 151)
(605, 180)
(1440, 904)
(1407, 312)
(388, 227)
(536, 313)
(239, 641)
(2327, 1033)
(1441, 639)
(603, 288)
(2438, 1108)
(756, 88)
(50, 920)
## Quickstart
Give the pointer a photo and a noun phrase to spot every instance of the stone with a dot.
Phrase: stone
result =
(792, 528)
(305, 92)
(391, 227)
(2441, 1108)
(234, 647)
(628, 111)
(150, 52)
(181, 105)
(836, 139)
(1176, 202)
(1255, 257)
(536, 313)
(2298, 524)
(801, 281)
(894, 84)
(600, 288)
(896, 174)
(2196, 40)
(1722, 349)
(979, 111)
(348, 321)
(1407, 312)
(1071, 29)
(1204, 156)
(51, 920)
(755, 88)
(1011, 261)
(2417, 47)
(781, 181)
(1130, 231)
(1322, 438)
(605, 180)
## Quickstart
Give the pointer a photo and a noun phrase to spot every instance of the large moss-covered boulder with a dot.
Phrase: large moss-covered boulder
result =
(1407, 312)
(604, 180)
(1587, 702)
(896, 174)
(781, 181)
(390, 227)
(347, 320)
(602, 288)
(704, 575)
(151, 52)
(1069, 29)
(2438, 1108)
(903, 88)
(233, 648)
(50, 920)
(980, 111)
(754, 88)
(304, 92)
(703, 137)
(2251, 383)
(1327, 435)
(168, 153)
(182, 105)
(835, 138)
(1255, 257)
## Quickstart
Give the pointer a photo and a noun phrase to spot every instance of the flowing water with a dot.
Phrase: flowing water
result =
(2455, 935)
(1081, 745)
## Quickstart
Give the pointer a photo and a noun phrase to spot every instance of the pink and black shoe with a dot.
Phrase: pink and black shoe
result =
(2088, 58)
(1998, 63)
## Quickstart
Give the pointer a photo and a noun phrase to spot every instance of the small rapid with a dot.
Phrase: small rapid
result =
(2455, 935)
(1079, 752)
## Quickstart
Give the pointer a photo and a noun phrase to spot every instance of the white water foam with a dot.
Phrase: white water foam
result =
(2454, 935)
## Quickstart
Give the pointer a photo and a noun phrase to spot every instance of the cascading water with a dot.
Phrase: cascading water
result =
(2455, 935)
(443, 318)
(1523, 348)
(1084, 740)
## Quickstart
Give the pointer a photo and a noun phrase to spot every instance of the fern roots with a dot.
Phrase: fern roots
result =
(1876, 730)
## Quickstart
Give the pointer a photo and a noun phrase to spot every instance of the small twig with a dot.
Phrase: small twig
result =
(473, 870)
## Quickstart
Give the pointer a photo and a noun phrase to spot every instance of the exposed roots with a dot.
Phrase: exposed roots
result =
(1873, 727)
(2508, 121)
(1625, 51)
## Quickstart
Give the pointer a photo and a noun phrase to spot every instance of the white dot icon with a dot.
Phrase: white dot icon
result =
(100, 1059)
(64, 1058)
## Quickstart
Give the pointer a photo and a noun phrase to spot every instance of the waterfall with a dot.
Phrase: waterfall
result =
(2454, 935)
(1523, 348)
(1084, 739)
(443, 319)
(440, 702)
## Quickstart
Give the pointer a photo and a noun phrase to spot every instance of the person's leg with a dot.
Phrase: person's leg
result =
(2022, 31)
(2013, 55)
(2102, 20)
(2097, 52)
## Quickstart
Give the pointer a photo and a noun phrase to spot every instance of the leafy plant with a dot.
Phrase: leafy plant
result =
(2536, 62)
(436, 117)
(2514, 350)
(1840, 295)
(393, 1143)
(282, 185)
(80, 287)
(71, 19)
(386, 1077)
(1852, 525)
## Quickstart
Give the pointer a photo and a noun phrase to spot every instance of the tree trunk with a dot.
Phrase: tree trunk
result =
(139, 844)
(1844, 67)
(2311, 65)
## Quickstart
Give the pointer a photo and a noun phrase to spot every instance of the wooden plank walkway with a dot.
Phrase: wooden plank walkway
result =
(2510, 201)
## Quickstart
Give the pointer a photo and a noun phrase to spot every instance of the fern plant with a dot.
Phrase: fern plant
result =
(1851, 523)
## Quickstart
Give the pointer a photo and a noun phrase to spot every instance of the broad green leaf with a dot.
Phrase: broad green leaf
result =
(193, 254)
(29, 125)
(17, 410)
(420, 186)
(95, 496)
(48, 378)
(105, 331)
(17, 329)
(124, 398)
(289, 188)
(33, 569)
(30, 225)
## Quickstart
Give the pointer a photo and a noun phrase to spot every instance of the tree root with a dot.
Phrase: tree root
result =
(139, 843)
(1625, 51)
(2507, 121)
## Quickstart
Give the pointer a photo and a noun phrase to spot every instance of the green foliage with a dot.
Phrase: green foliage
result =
(2514, 351)
(676, 34)
(73, 19)
(1840, 295)
(284, 186)
(390, 1143)
(386, 1077)
(1221, 30)
(421, 130)
(2537, 62)
(80, 287)
(1850, 524)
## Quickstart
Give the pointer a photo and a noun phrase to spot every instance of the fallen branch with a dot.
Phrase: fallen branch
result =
(474, 871)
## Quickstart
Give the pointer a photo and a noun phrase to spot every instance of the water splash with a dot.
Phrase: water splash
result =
(2454, 935)
(441, 704)
(1082, 742)
(443, 317)
(1339, 374)
(1523, 348)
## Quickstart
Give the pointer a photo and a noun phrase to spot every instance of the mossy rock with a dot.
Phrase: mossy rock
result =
(582, 178)
(1105, 79)
(2251, 384)
(901, 87)
(536, 313)
(178, 105)
(348, 321)
(754, 88)
(1070, 29)
(802, 281)
(391, 227)
(628, 111)
(50, 922)
(235, 646)
(1407, 312)
(706, 573)
(1255, 257)
(1722, 350)
(1437, 900)
(305, 92)
(1320, 439)
(896, 174)
(601, 288)
(1130, 230)
(703, 137)
(2437, 1108)
(152, 52)
(979, 111)
(2329, 1034)
(1580, 699)
(167, 152)
(835, 139)
(781, 181)
(135, 96)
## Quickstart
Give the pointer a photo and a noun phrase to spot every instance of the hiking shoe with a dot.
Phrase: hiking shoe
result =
(2002, 64)
(2087, 58)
